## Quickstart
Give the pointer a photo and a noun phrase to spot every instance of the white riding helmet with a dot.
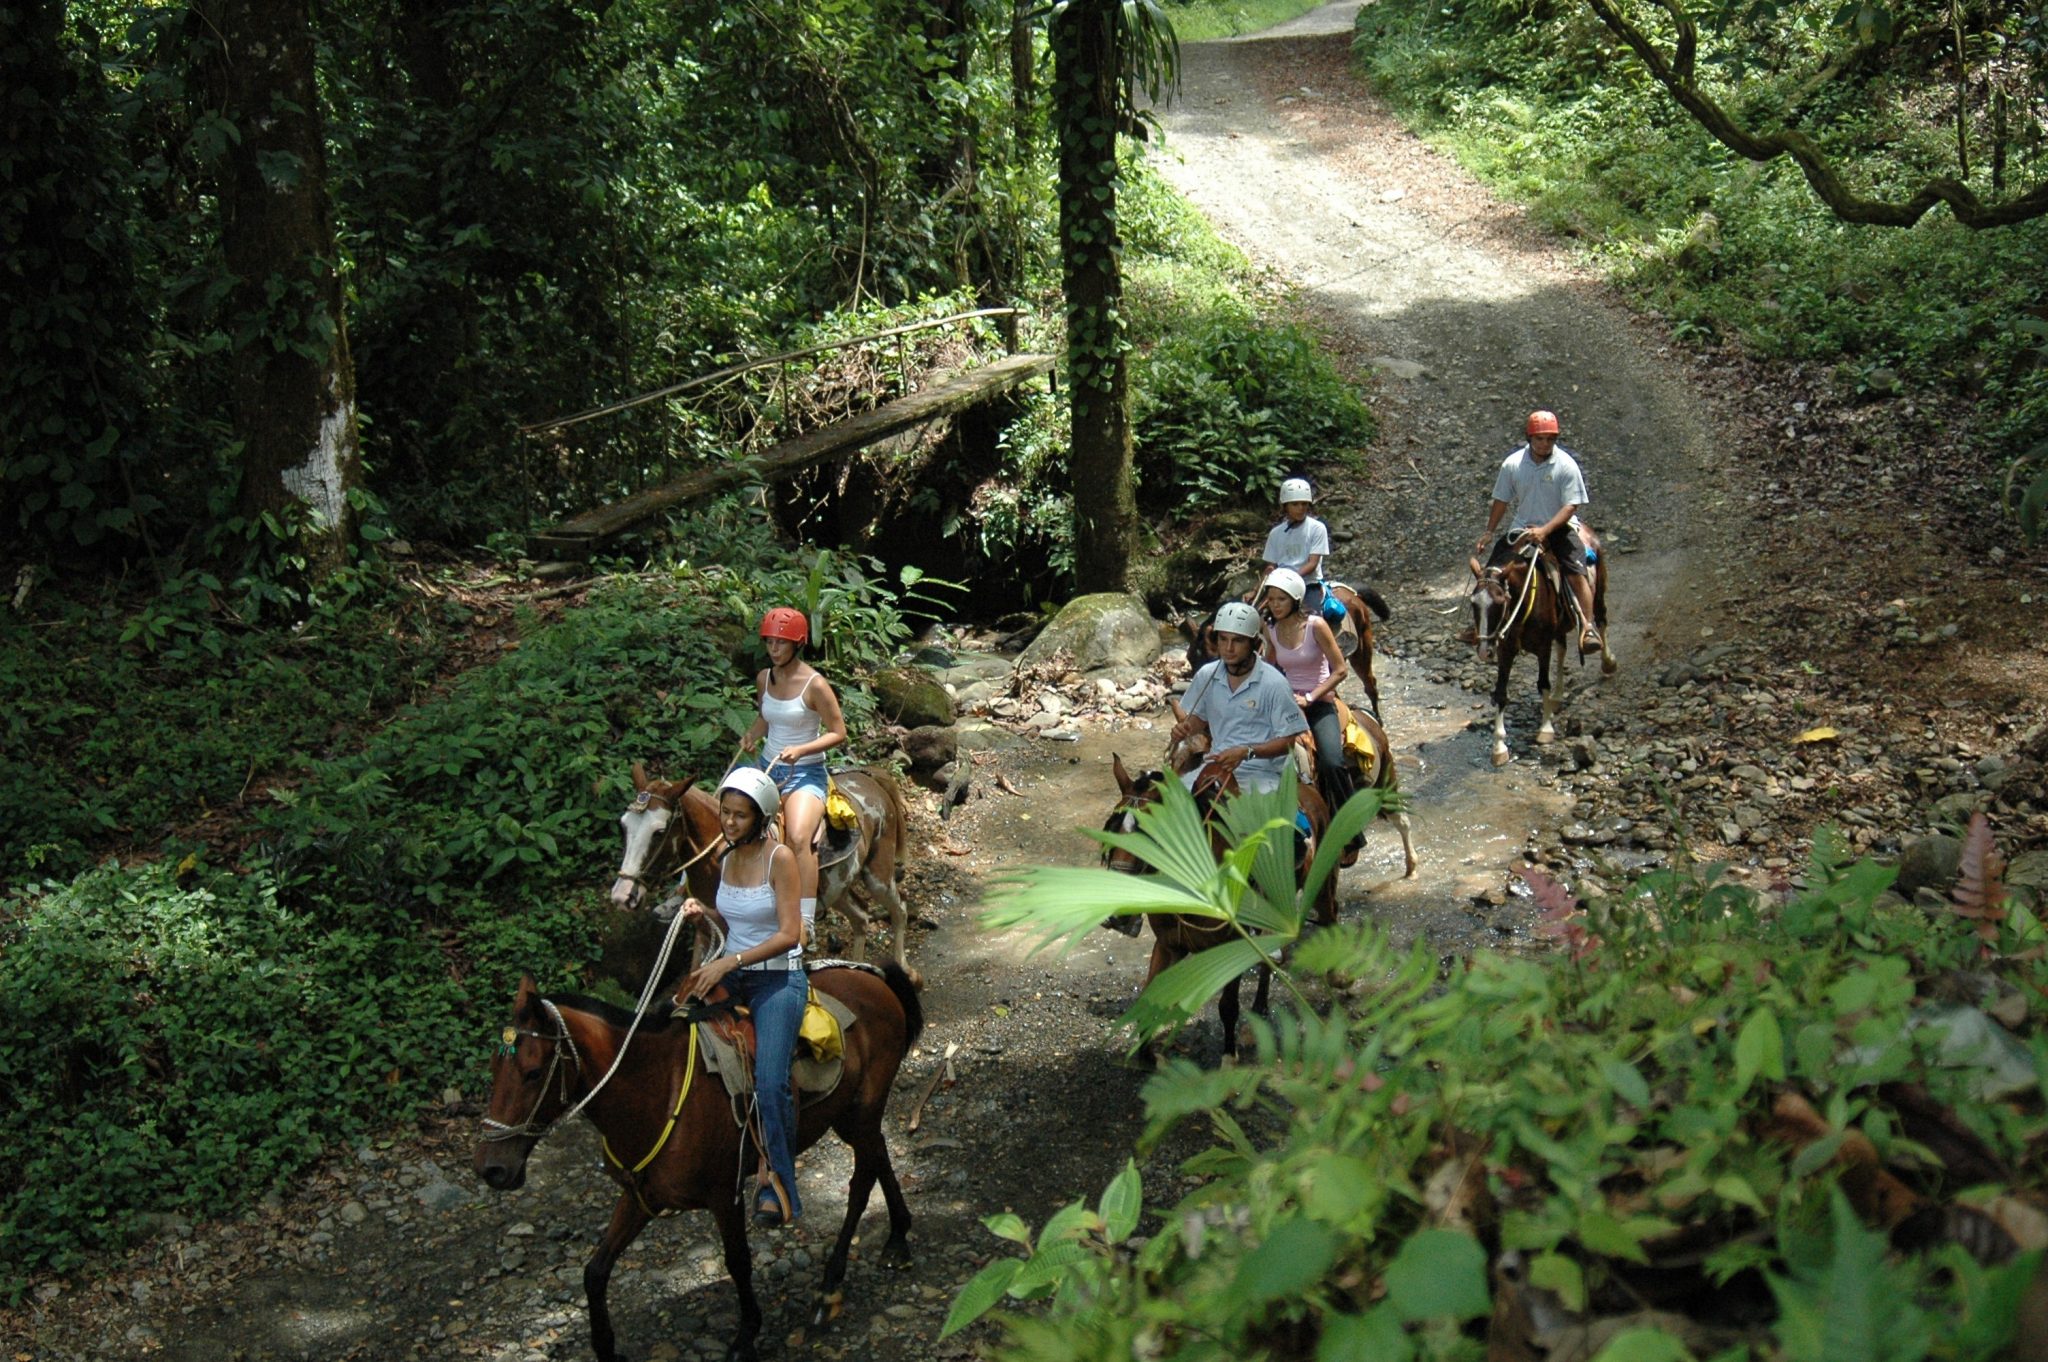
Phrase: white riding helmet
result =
(1237, 618)
(1296, 489)
(1288, 580)
(755, 785)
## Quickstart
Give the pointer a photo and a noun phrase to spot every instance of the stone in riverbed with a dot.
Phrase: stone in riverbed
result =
(1107, 629)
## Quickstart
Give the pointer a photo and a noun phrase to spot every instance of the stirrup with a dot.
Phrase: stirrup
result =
(1589, 641)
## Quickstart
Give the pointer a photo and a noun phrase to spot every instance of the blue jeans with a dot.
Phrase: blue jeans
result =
(777, 999)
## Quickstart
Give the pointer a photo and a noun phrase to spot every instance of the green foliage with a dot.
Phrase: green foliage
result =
(137, 720)
(1204, 20)
(1541, 103)
(178, 1042)
(1611, 1099)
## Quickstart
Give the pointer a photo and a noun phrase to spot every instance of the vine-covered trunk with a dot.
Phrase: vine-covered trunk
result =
(1085, 73)
(293, 384)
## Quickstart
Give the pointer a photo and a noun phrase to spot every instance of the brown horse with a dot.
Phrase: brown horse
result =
(672, 823)
(870, 870)
(1361, 604)
(1176, 936)
(1517, 608)
(668, 1127)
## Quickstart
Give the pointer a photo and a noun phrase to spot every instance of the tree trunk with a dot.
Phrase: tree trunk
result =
(293, 384)
(1085, 66)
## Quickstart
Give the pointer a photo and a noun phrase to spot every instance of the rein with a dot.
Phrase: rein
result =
(1521, 607)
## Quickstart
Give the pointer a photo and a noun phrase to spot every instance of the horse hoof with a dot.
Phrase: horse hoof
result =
(896, 1257)
(828, 1309)
(1500, 756)
(916, 978)
(1545, 737)
(1608, 666)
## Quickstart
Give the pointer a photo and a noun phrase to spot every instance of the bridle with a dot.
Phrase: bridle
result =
(1520, 606)
(649, 801)
(508, 1041)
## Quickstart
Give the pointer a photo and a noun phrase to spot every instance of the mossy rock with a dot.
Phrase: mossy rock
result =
(1107, 629)
(909, 696)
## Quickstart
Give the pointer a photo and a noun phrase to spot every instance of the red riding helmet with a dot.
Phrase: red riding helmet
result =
(787, 623)
(1542, 423)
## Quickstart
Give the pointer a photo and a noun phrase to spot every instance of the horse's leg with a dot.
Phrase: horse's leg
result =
(835, 886)
(1500, 704)
(882, 891)
(1162, 957)
(1607, 661)
(1407, 845)
(870, 1165)
(627, 1222)
(1547, 732)
(739, 1265)
(1362, 660)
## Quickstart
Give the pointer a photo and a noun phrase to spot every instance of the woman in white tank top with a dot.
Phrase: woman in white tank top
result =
(799, 722)
(762, 966)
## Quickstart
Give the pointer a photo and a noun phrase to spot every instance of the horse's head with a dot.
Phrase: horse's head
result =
(1136, 793)
(530, 1078)
(1492, 591)
(657, 808)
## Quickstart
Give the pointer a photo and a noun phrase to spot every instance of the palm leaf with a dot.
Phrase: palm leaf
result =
(1063, 903)
(1178, 993)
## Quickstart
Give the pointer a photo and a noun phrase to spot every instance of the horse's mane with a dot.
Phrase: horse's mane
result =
(656, 1020)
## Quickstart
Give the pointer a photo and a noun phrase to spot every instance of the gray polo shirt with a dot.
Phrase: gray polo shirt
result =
(1260, 709)
(1536, 491)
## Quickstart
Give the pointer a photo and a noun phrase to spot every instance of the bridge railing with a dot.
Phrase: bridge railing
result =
(616, 449)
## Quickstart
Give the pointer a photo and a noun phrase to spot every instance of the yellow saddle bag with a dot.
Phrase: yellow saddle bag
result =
(820, 1031)
(839, 810)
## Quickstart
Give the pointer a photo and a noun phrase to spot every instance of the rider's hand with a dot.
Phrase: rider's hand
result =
(788, 756)
(1481, 542)
(1231, 758)
(693, 907)
(700, 984)
(1302, 702)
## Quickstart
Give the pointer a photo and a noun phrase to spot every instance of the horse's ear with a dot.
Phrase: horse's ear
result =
(639, 775)
(1123, 777)
(1174, 705)
(527, 990)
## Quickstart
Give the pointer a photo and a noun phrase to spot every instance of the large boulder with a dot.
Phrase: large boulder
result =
(931, 747)
(1108, 629)
(911, 697)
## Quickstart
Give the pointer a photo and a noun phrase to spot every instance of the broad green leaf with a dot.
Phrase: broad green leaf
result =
(1339, 1188)
(1377, 1335)
(1180, 991)
(1643, 1345)
(1007, 1226)
(1438, 1274)
(1759, 1049)
(1601, 1233)
(982, 1291)
(1048, 1267)
(1122, 1202)
(1627, 1082)
(1734, 1188)
(1292, 1259)
(1561, 1276)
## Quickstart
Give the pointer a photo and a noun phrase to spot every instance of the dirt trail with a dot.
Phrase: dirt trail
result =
(393, 1251)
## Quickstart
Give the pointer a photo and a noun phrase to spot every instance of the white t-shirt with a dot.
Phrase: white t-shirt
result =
(1260, 709)
(1536, 491)
(1290, 545)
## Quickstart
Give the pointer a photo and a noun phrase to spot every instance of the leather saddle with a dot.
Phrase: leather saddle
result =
(725, 1035)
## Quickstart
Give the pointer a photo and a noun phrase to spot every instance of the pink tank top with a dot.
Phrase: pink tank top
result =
(1305, 667)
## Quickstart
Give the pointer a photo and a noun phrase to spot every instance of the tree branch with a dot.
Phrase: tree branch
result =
(1675, 74)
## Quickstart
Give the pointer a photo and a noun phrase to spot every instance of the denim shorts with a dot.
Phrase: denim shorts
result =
(808, 777)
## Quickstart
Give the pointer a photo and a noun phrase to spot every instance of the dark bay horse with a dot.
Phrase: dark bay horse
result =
(1360, 603)
(672, 824)
(668, 1127)
(1373, 770)
(1176, 936)
(1517, 608)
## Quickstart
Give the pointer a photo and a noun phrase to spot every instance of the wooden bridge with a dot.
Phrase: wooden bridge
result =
(945, 395)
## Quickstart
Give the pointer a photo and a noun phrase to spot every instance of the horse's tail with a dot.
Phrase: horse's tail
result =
(1376, 601)
(906, 995)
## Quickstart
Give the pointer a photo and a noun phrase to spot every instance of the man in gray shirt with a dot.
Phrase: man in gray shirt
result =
(1243, 703)
(1541, 483)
